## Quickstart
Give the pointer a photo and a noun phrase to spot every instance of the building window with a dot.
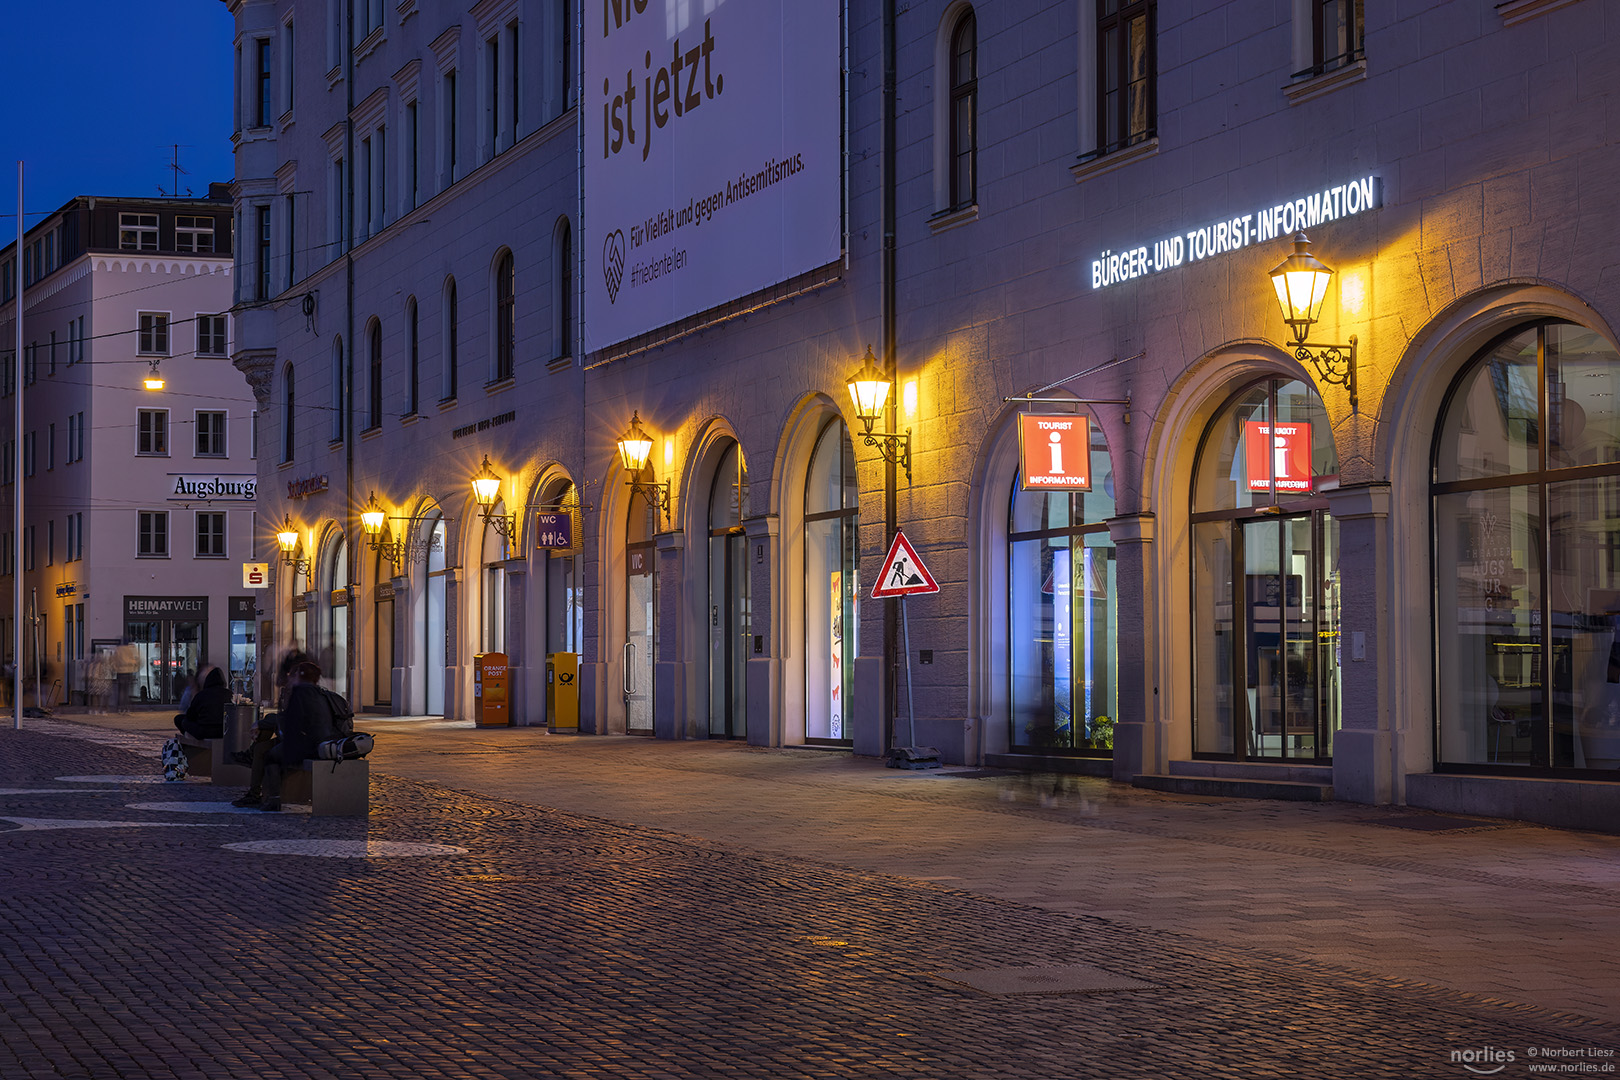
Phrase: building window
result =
(451, 360)
(513, 68)
(964, 111)
(154, 333)
(78, 535)
(505, 316)
(1127, 70)
(413, 382)
(492, 95)
(152, 432)
(413, 156)
(28, 454)
(77, 345)
(337, 397)
(153, 536)
(287, 413)
(340, 239)
(1338, 35)
(292, 240)
(50, 447)
(563, 303)
(1266, 591)
(374, 378)
(1061, 615)
(262, 289)
(210, 535)
(1526, 513)
(51, 357)
(831, 589)
(211, 335)
(137, 232)
(363, 186)
(210, 433)
(449, 107)
(193, 234)
(50, 542)
(28, 547)
(287, 66)
(263, 79)
(79, 449)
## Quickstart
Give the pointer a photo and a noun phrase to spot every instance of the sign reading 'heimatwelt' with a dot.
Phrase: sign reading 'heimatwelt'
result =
(1238, 231)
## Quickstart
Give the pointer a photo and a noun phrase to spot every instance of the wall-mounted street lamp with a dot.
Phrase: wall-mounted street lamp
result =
(375, 522)
(1301, 281)
(487, 490)
(635, 448)
(869, 388)
(292, 553)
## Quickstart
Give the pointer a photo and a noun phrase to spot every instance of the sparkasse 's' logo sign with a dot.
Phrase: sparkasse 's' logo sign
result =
(613, 263)
(1484, 1058)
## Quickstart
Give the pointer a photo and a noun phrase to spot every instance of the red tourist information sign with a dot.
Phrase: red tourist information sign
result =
(903, 574)
(1054, 452)
(1280, 452)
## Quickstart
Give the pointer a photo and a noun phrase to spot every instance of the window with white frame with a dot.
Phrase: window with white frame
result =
(210, 534)
(262, 287)
(562, 301)
(152, 431)
(193, 233)
(287, 443)
(262, 102)
(287, 65)
(154, 333)
(138, 232)
(493, 113)
(210, 433)
(450, 127)
(451, 359)
(50, 447)
(505, 316)
(368, 17)
(337, 390)
(211, 335)
(152, 534)
(28, 454)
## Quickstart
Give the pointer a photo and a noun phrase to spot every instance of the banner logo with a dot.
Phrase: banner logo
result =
(613, 263)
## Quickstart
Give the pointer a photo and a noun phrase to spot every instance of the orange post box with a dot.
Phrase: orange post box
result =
(491, 705)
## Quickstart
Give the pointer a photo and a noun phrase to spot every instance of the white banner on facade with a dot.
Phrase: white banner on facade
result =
(712, 155)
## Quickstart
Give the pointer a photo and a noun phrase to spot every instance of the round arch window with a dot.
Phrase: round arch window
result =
(1062, 615)
(1266, 600)
(1526, 505)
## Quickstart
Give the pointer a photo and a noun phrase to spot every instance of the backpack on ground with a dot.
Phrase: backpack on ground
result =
(174, 760)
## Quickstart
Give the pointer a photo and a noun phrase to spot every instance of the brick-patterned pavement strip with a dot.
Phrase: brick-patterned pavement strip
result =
(576, 946)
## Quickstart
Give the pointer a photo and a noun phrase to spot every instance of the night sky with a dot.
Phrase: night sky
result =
(96, 92)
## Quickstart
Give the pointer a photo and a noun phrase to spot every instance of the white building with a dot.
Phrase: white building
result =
(509, 230)
(138, 504)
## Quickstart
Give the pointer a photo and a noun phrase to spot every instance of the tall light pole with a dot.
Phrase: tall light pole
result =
(17, 420)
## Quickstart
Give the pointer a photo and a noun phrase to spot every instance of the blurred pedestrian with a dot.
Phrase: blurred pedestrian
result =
(126, 662)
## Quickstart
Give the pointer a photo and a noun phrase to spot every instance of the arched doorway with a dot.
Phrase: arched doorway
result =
(831, 587)
(640, 614)
(492, 587)
(1265, 579)
(338, 616)
(427, 674)
(1062, 615)
(729, 600)
(383, 656)
(1526, 557)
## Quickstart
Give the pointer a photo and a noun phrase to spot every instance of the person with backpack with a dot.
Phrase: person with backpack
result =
(310, 716)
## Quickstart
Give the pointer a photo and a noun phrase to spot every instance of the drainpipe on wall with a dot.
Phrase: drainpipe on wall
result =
(886, 334)
(351, 550)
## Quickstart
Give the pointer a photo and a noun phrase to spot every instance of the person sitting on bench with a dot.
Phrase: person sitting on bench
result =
(304, 722)
(204, 717)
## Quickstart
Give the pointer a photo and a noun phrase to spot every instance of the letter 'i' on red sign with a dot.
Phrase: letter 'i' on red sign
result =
(1054, 452)
(1279, 452)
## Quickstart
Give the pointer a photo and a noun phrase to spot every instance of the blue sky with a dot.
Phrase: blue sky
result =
(96, 92)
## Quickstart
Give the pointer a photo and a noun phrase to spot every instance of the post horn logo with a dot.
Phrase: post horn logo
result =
(613, 263)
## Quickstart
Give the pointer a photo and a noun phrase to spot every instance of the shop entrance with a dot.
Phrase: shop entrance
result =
(1266, 581)
(730, 614)
(640, 635)
(171, 652)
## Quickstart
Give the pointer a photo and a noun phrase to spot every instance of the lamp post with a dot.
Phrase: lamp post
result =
(869, 388)
(635, 448)
(487, 490)
(374, 521)
(1301, 281)
(291, 551)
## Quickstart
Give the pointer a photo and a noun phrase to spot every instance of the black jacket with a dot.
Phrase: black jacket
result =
(205, 716)
(305, 722)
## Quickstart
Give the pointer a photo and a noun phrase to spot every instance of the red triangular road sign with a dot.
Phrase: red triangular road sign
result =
(903, 574)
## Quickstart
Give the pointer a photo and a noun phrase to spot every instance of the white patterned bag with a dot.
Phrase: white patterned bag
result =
(174, 760)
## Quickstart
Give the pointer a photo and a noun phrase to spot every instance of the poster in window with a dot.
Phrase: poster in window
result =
(835, 668)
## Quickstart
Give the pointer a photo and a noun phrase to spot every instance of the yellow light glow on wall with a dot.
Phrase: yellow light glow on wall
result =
(1352, 293)
(669, 453)
(908, 399)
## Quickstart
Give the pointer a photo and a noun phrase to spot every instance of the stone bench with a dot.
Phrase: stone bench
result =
(200, 755)
(344, 791)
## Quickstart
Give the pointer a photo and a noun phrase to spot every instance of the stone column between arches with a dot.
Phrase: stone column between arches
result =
(400, 677)
(1141, 744)
(764, 664)
(1363, 758)
(673, 716)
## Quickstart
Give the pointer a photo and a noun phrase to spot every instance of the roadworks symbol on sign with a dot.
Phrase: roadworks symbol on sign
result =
(903, 573)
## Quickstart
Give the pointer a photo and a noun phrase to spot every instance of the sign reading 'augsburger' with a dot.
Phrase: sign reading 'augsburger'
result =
(712, 155)
(1238, 231)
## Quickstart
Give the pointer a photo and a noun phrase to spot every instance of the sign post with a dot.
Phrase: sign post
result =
(904, 574)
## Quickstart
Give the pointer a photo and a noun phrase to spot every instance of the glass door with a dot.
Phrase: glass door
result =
(640, 638)
(729, 624)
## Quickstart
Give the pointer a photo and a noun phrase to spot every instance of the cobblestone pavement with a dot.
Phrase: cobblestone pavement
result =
(706, 910)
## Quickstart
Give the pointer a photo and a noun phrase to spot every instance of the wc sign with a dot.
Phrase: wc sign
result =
(1280, 452)
(1054, 453)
